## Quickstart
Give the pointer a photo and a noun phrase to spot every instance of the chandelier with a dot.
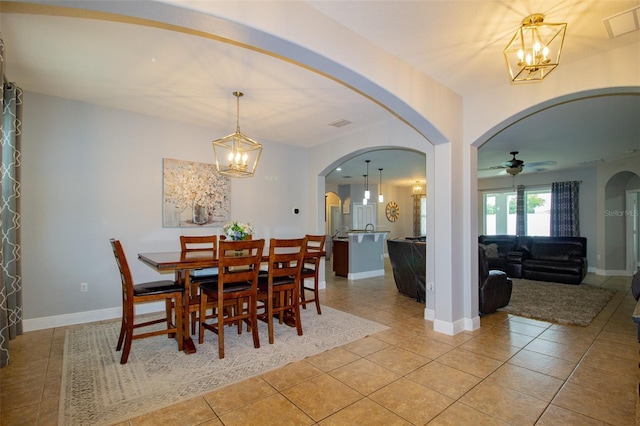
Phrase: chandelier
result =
(237, 155)
(534, 51)
(417, 189)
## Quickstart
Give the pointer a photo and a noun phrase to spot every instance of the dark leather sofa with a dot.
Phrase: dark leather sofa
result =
(554, 259)
(495, 287)
(408, 261)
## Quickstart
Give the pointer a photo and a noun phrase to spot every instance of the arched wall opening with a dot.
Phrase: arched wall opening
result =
(620, 222)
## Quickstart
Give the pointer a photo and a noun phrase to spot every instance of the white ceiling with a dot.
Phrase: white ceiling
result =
(187, 77)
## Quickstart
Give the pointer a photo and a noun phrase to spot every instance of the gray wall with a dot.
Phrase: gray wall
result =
(92, 173)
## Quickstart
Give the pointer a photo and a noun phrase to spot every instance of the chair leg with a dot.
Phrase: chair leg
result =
(303, 301)
(193, 293)
(317, 297)
(128, 337)
(168, 307)
(123, 327)
(202, 315)
(253, 309)
(270, 318)
(178, 321)
(220, 331)
(296, 312)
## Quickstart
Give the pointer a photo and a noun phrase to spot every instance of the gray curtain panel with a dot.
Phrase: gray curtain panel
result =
(10, 258)
(520, 211)
(565, 209)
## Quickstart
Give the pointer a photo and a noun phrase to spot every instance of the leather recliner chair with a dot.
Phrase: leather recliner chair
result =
(495, 287)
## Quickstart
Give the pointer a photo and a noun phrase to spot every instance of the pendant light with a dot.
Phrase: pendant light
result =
(364, 199)
(380, 197)
(367, 194)
(236, 155)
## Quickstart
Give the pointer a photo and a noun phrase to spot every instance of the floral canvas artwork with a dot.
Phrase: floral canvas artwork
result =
(194, 195)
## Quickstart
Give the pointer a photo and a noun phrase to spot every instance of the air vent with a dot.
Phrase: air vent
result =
(591, 162)
(623, 23)
(339, 123)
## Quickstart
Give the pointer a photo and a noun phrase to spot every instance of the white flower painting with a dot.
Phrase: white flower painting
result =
(194, 195)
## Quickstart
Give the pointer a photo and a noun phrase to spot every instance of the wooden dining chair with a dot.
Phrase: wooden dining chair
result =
(190, 243)
(237, 286)
(166, 290)
(310, 269)
(279, 289)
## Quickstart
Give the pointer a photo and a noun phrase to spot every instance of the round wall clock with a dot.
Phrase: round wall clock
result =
(393, 212)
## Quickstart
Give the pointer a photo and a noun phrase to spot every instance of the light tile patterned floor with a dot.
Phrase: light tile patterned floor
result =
(512, 370)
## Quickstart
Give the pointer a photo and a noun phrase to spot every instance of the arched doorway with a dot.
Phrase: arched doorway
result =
(622, 198)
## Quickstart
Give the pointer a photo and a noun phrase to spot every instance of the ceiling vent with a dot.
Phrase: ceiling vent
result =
(623, 23)
(339, 123)
(591, 162)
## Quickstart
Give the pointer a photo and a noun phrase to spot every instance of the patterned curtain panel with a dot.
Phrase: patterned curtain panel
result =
(520, 211)
(10, 256)
(416, 215)
(565, 209)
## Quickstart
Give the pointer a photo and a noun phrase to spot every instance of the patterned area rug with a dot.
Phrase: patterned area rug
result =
(97, 389)
(558, 303)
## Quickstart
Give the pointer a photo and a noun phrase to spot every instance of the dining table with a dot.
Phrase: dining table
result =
(181, 263)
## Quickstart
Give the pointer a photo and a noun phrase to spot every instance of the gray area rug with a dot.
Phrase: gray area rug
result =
(97, 389)
(558, 303)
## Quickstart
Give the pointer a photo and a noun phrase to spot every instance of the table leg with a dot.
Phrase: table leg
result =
(188, 346)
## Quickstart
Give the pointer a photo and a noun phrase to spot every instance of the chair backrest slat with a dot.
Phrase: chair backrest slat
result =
(193, 243)
(123, 266)
(239, 260)
(285, 257)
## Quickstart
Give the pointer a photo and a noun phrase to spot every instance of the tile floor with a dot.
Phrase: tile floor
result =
(512, 370)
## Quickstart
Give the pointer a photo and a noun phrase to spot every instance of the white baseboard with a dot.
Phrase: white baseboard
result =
(611, 273)
(429, 314)
(453, 328)
(64, 320)
(368, 274)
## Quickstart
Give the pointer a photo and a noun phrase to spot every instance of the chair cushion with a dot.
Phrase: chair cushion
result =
(308, 271)
(264, 280)
(156, 287)
(204, 272)
(212, 287)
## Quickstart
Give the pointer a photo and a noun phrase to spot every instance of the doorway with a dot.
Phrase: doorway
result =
(632, 213)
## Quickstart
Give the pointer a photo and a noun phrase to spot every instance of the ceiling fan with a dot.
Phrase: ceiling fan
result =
(514, 166)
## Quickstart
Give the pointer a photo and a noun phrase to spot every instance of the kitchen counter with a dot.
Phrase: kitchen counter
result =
(360, 254)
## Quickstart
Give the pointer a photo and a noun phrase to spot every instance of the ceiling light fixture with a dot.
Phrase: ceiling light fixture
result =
(380, 196)
(237, 155)
(534, 51)
(367, 194)
(364, 199)
(417, 189)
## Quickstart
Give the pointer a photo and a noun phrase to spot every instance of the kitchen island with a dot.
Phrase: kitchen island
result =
(359, 254)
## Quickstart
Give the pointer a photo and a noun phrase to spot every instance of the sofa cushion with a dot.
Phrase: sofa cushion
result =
(505, 243)
(569, 266)
(491, 250)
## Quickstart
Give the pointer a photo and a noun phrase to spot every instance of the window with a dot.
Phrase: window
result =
(500, 212)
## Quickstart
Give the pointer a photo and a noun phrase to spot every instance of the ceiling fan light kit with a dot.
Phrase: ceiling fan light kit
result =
(514, 166)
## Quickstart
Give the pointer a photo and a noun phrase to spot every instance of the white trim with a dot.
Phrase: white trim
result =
(611, 273)
(367, 274)
(453, 328)
(87, 316)
(429, 314)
